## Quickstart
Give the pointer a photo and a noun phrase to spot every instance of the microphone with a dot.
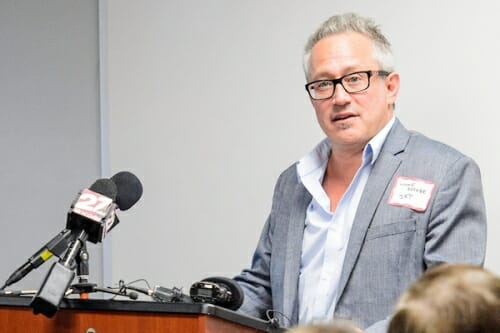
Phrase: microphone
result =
(129, 189)
(218, 290)
(93, 210)
(125, 190)
(90, 212)
(57, 246)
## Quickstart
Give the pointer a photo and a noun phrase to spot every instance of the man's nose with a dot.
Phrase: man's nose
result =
(340, 95)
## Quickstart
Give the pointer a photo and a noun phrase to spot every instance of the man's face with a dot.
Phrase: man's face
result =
(351, 120)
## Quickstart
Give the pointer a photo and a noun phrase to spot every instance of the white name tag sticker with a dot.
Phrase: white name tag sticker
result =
(413, 193)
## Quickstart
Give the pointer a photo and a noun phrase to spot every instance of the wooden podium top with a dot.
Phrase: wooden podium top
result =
(106, 316)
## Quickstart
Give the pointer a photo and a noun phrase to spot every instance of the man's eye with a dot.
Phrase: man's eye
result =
(353, 79)
(324, 85)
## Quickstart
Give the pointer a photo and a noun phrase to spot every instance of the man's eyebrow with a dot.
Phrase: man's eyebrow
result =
(325, 75)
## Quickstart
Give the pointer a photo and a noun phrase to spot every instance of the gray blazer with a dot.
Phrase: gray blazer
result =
(389, 246)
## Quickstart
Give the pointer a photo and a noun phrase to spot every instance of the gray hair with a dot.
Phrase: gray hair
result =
(351, 22)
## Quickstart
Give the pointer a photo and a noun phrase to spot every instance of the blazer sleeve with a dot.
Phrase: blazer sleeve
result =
(457, 226)
(255, 281)
(271, 283)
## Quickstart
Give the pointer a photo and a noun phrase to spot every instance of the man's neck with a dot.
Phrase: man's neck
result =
(342, 165)
(340, 170)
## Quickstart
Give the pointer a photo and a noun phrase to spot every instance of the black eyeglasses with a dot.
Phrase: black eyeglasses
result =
(352, 83)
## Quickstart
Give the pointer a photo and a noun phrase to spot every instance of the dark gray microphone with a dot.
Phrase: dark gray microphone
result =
(129, 189)
(91, 206)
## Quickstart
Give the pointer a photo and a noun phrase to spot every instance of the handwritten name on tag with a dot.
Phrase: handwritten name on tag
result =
(413, 193)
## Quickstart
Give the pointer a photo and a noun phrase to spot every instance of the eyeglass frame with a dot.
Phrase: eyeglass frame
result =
(370, 73)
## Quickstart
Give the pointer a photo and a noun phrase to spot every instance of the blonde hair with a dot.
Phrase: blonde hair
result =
(351, 22)
(450, 298)
(336, 327)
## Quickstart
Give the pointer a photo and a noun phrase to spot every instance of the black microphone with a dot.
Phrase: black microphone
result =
(125, 190)
(129, 189)
(92, 209)
(57, 246)
(218, 290)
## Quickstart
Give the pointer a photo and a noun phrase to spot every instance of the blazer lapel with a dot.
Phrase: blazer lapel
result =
(380, 177)
(301, 200)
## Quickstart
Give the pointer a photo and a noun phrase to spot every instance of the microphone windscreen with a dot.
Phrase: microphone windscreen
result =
(237, 294)
(105, 187)
(129, 189)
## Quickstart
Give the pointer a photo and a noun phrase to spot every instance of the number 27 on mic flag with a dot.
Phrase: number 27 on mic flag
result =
(92, 205)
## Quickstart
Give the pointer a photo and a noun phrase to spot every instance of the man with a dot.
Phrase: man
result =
(360, 217)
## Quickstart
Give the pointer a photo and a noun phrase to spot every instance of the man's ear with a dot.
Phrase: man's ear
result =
(392, 87)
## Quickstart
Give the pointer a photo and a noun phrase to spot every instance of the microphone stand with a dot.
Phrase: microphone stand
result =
(83, 288)
(57, 283)
(58, 280)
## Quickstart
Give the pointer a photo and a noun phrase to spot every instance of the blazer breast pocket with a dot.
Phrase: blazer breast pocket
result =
(390, 229)
(390, 256)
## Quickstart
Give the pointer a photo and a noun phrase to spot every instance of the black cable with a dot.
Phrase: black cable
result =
(274, 321)
(158, 293)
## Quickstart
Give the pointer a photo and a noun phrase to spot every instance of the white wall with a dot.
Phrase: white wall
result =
(49, 125)
(207, 106)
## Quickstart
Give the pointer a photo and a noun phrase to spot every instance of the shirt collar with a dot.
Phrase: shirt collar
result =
(378, 140)
(317, 158)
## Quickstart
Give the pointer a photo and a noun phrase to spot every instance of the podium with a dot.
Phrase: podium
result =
(116, 316)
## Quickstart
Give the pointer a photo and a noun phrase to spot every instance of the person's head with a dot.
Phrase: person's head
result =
(355, 108)
(351, 22)
(450, 298)
(336, 327)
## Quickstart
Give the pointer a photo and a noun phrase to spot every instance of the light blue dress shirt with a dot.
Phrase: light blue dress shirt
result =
(326, 233)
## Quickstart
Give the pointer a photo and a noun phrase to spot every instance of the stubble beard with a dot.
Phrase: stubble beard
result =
(344, 126)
